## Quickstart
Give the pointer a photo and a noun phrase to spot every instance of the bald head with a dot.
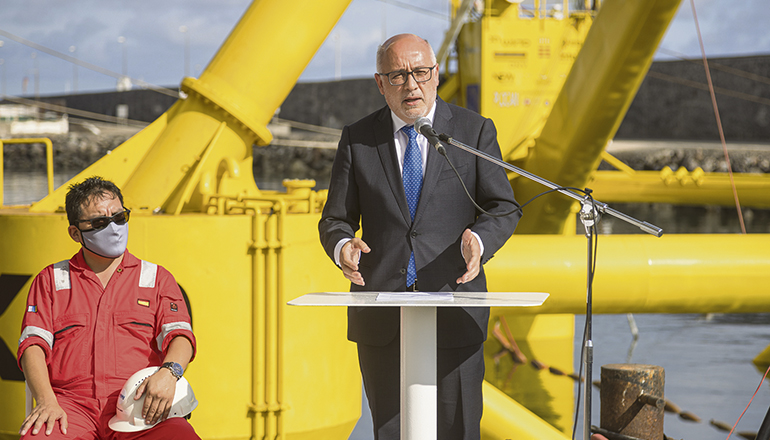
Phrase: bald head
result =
(383, 49)
(406, 53)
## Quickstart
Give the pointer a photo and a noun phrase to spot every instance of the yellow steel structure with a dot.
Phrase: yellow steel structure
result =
(680, 273)
(607, 73)
(696, 187)
(268, 371)
(512, 63)
(239, 253)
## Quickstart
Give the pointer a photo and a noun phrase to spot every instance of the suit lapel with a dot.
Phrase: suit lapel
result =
(386, 147)
(435, 162)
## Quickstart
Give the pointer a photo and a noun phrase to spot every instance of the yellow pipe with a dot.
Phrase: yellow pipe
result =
(194, 177)
(259, 404)
(681, 187)
(506, 419)
(703, 273)
(258, 65)
(271, 323)
(617, 163)
(281, 405)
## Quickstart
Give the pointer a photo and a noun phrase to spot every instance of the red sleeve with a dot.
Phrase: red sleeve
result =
(173, 316)
(37, 324)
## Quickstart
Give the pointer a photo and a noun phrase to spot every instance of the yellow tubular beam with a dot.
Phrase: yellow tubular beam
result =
(271, 336)
(246, 81)
(681, 187)
(725, 273)
(506, 419)
(258, 394)
(280, 378)
(274, 428)
(607, 73)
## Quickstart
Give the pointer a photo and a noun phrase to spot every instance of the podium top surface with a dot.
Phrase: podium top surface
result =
(421, 299)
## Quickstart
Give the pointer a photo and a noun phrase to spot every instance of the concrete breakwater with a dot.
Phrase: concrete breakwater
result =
(76, 151)
(709, 156)
(71, 152)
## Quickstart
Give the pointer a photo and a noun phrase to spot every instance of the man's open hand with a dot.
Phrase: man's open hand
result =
(350, 254)
(471, 251)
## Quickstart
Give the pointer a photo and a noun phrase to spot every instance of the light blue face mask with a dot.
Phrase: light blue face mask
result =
(108, 242)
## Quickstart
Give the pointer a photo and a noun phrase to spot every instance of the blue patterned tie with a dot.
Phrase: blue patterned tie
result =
(412, 186)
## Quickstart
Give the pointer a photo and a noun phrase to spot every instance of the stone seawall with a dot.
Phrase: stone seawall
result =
(272, 164)
(76, 151)
(71, 152)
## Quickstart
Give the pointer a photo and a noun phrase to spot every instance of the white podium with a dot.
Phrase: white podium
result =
(418, 341)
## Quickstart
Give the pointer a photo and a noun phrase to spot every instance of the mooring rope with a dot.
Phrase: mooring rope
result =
(502, 333)
(719, 120)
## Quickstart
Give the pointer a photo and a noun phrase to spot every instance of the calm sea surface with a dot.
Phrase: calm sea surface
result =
(707, 359)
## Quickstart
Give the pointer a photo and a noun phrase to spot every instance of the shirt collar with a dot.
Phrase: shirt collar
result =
(78, 261)
(398, 124)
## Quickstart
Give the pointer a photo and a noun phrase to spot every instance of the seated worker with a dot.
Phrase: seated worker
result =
(93, 321)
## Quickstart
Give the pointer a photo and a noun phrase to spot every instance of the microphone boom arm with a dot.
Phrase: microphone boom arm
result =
(599, 206)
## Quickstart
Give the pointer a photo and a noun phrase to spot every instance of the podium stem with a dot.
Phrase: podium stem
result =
(418, 373)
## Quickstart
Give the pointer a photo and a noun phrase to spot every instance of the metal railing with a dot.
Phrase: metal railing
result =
(48, 160)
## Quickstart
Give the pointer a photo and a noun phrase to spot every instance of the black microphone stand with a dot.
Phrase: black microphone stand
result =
(590, 214)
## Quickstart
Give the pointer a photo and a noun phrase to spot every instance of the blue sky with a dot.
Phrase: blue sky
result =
(154, 44)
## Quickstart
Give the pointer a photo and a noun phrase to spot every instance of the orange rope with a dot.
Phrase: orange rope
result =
(747, 406)
(719, 121)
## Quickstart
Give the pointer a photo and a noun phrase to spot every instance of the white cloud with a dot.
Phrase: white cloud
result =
(154, 46)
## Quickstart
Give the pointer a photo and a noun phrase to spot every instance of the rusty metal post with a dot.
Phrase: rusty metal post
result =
(632, 400)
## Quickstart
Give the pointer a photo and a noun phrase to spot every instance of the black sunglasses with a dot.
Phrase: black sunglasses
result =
(97, 223)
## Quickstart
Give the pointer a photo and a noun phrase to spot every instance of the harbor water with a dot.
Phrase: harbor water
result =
(707, 358)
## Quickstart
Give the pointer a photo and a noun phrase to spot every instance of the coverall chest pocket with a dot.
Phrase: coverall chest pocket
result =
(71, 349)
(134, 346)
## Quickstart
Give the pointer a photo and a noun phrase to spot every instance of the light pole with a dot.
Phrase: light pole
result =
(183, 30)
(2, 63)
(74, 71)
(124, 83)
(122, 41)
(37, 74)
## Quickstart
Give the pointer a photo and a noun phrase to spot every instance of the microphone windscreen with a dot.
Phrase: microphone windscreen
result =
(420, 123)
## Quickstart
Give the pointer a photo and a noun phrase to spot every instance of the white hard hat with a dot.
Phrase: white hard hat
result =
(128, 417)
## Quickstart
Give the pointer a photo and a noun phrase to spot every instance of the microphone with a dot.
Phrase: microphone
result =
(422, 125)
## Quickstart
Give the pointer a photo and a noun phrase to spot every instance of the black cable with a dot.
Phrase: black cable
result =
(517, 209)
(591, 269)
(591, 273)
(580, 382)
(504, 214)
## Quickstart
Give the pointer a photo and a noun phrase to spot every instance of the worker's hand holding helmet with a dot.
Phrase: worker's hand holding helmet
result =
(128, 417)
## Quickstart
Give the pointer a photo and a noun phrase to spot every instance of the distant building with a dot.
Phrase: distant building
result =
(672, 103)
(25, 120)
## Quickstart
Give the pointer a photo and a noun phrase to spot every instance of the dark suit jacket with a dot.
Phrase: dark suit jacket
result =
(366, 187)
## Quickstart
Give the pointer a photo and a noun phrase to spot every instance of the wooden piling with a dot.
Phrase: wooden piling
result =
(632, 400)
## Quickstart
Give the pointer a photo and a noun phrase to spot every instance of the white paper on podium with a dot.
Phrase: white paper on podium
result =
(414, 296)
(421, 299)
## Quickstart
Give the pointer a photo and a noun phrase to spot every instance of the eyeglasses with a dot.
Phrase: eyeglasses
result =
(98, 223)
(400, 77)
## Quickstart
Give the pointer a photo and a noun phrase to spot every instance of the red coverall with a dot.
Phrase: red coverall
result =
(95, 338)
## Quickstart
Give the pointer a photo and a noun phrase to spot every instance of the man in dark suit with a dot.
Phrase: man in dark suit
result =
(419, 229)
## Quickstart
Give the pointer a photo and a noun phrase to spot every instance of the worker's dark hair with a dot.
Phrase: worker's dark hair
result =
(85, 192)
